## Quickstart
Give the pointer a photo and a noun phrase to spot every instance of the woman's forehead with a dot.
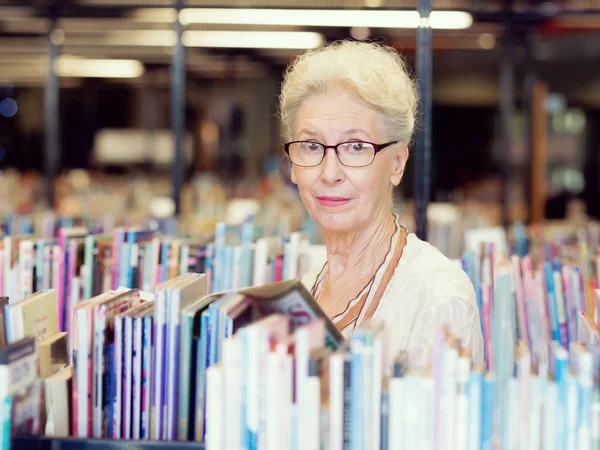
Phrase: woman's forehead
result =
(342, 116)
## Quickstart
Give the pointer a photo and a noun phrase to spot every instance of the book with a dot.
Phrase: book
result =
(58, 391)
(53, 354)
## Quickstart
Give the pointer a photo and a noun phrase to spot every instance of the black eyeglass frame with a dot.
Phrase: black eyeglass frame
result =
(376, 147)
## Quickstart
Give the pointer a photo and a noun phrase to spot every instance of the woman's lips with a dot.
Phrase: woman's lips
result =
(333, 201)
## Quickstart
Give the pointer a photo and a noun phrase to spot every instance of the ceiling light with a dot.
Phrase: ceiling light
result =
(360, 33)
(487, 41)
(156, 15)
(151, 38)
(325, 17)
(253, 39)
(98, 68)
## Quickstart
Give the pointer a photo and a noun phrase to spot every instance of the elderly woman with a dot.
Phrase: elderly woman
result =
(348, 111)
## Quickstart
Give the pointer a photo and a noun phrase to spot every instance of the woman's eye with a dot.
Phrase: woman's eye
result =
(311, 146)
(357, 146)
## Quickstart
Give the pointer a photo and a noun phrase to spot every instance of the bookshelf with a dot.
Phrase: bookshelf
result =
(43, 443)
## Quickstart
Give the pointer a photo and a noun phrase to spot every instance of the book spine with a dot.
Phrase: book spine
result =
(118, 377)
(487, 413)
(60, 285)
(99, 372)
(89, 264)
(146, 394)
(110, 398)
(357, 345)
(185, 374)
(160, 313)
(173, 366)
(137, 378)
(336, 401)
(215, 422)
(202, 364)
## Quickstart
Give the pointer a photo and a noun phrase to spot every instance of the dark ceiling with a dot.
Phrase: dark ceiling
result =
(565, 33)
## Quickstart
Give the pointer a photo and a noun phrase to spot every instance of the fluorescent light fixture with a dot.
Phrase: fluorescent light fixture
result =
(145, 38)
(452, 20)
(154, 15)
(253, 39)
(98, 68)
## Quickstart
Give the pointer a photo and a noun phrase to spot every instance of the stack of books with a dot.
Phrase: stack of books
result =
(81, 262)
(141, 335)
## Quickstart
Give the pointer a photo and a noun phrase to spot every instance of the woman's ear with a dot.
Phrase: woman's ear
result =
(292, 173)
(398, 165)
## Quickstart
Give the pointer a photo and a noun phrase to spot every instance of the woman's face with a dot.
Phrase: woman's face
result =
(341, 198)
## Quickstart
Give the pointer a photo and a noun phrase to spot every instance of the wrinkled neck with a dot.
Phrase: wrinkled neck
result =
(347, 253)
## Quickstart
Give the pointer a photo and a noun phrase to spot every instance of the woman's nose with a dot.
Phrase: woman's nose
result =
(332, 168)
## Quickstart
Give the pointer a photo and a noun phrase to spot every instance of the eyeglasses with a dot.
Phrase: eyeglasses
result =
(350, 154)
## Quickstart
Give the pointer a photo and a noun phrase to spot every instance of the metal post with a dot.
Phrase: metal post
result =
(52, 112)
(528, 89)
(507, 102)
(178, 108)
(423, 135)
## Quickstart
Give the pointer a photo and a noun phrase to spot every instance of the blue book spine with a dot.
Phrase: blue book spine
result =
(166, 358)
(213, 340)
(548, 274)
(147, 269)
(111, 387)
(357, 345)
(131, 238)
(209, 268)
(383, 445)
(89, 266)
(124, 265)
(487, 412)
(203, 363)
(7, 324)
(6, 424)
(164, 261)
(191, 435)
(246, 433)
(220, 234)
(561, 373)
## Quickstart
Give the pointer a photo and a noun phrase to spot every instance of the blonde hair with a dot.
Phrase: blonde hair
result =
(375, 72)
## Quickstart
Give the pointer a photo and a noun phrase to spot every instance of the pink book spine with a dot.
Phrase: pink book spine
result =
(158, 274)
(486, 324)
(278, 268)
(60, 288)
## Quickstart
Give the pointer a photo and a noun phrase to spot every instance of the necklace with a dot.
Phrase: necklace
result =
(352, 283)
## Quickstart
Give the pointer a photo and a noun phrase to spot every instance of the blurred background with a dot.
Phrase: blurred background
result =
(92, 98)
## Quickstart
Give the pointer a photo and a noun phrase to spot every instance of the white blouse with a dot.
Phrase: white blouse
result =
(426, 292)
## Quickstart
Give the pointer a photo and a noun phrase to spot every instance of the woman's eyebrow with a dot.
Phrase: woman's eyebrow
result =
(307, 132)
(355, 131)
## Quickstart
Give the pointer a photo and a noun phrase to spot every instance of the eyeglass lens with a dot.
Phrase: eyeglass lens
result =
(353, 154)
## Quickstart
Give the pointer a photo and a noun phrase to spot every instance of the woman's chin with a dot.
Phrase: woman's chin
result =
(337, 223)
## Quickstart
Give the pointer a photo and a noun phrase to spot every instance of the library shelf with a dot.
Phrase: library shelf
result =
(46, 443)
